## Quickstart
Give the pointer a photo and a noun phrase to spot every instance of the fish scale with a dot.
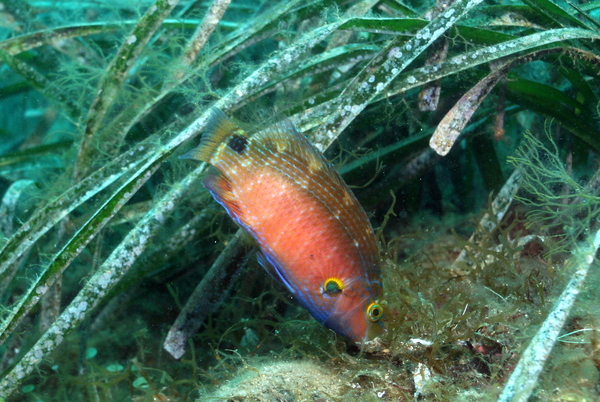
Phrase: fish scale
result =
(313, 234)
(348, 213)
(315, 179)
(324, 195)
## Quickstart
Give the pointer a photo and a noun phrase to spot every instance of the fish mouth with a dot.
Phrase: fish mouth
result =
(352, 323)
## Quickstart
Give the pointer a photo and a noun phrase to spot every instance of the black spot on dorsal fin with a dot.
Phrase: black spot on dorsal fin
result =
(220, 130)
(237, 143)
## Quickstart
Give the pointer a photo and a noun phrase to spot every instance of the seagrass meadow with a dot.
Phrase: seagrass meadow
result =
(469, 131)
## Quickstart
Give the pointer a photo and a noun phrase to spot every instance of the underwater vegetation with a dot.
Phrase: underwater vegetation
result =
(467, 130)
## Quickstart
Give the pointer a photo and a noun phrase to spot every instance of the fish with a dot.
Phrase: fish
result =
(313, 234)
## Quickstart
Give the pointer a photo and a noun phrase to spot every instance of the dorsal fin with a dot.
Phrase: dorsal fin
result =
(220, 132)
(283, 137)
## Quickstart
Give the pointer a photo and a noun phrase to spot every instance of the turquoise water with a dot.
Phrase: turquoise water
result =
(111, 246)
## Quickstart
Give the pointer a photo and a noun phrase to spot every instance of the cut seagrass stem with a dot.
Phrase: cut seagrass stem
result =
(208, 295)
(153, 260)
(454, 122)
(488, 54)
(524, 378)
(377, 75)
(457, 118)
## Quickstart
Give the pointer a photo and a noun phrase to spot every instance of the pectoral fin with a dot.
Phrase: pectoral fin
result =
(220, 188)
(273, 269)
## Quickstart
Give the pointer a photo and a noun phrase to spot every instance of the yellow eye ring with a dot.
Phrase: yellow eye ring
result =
(374, 311)
(333, 286)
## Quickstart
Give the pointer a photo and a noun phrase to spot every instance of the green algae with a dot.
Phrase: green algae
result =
(129, 232)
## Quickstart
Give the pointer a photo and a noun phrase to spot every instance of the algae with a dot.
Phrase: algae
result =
(105, 233)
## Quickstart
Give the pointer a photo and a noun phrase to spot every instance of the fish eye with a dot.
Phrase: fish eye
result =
(374, 311)
(333, 286)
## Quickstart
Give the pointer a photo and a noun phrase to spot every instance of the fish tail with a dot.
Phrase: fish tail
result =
(221, 137)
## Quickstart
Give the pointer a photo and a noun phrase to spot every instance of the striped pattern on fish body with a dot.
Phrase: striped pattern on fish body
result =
(313, 234)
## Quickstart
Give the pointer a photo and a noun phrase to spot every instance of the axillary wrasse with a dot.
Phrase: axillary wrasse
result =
(313, 234)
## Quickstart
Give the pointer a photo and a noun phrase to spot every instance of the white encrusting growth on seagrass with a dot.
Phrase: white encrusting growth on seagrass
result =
(523, 379)
(111, 271)
(359, 94)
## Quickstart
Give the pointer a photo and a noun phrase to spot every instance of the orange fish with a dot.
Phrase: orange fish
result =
(313, 234)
